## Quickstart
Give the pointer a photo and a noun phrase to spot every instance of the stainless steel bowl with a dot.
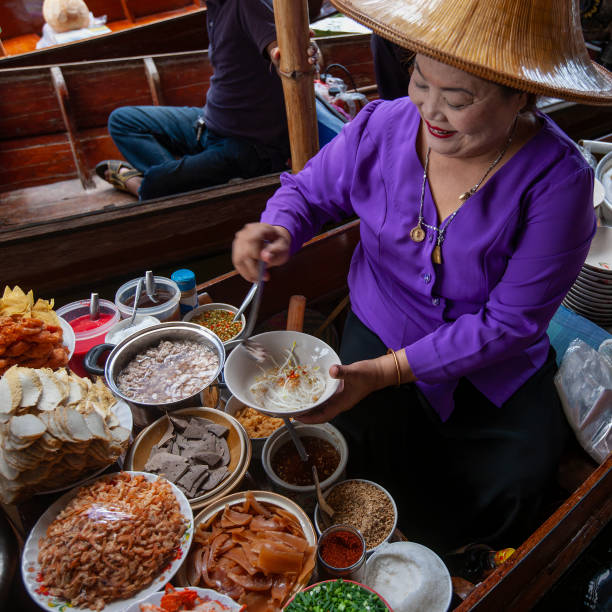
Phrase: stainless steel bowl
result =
(126, 350)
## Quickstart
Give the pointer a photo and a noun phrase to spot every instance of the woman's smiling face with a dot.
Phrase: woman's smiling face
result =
(463, 115)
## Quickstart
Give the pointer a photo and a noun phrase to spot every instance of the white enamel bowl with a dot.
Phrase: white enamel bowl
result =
(241, 369)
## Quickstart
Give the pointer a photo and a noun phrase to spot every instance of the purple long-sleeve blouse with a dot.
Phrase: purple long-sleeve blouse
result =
(510, 254)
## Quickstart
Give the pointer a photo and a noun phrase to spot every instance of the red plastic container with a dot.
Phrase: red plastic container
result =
(87, 333)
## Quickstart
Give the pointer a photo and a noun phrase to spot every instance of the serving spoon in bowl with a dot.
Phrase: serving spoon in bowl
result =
(255, 350)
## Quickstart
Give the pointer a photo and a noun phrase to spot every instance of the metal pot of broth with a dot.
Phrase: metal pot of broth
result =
(165, 367)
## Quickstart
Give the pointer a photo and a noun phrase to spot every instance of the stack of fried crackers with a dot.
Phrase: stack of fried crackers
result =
(55, 428)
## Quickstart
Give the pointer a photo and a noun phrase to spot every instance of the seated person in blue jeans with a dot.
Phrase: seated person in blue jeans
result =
(240, 132)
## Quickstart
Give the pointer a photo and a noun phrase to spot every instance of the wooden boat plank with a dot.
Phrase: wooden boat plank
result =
(181, 28)
(539, 562)
(307, 273)
(91, 247)
(96, 88)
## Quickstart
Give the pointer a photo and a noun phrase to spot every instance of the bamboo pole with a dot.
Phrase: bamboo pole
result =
(292, 32)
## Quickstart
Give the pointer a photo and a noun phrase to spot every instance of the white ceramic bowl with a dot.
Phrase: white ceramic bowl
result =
(68, 336)
(603, 173)
(119, 331)
(30, 567)
(420, 580)
(317, 517)
(241, 369)
(155, 599)
(216, 306)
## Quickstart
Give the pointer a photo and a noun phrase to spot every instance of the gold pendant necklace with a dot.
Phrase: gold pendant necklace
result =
(417, 233)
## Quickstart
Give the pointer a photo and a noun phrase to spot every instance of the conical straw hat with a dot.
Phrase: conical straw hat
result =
(532, 45)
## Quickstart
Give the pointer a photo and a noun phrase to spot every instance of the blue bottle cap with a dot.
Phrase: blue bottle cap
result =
(185, 279)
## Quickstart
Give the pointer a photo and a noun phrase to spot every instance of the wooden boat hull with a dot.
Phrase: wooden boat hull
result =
(53, 132)
(88, 248)
(54, 210)
(163, 26)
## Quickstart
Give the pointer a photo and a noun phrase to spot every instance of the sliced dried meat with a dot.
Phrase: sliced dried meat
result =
(219, 430)
(197, 428)
(189, 478)
(179, 423)
(223, 449)
(214, 478)
(172, 466)
(210, 459)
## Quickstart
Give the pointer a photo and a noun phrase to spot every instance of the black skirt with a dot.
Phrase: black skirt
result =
(482, 476)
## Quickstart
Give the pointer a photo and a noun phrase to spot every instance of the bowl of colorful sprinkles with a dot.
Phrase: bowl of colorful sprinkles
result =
(219, 319)
(339, 594)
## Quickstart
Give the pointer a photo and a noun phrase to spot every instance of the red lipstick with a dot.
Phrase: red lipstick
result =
(439, 132)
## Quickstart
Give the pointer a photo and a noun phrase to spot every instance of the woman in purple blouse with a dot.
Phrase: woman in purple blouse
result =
(476, 216)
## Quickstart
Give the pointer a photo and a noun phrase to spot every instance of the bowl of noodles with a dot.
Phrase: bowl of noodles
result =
(293, 379)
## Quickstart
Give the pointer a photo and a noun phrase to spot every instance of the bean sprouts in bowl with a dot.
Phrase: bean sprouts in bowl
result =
(293, 379)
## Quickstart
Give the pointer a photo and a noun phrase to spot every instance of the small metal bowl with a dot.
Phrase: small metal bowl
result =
(216, 306)
(126, 350)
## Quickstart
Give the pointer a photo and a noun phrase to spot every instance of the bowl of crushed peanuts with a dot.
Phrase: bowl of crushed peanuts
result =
(258, 426)
(218, 318)
(365, 505)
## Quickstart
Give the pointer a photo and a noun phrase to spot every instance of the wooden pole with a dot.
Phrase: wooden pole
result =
(292, 34)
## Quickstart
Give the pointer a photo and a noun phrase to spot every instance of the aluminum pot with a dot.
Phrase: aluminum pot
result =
(122, 353)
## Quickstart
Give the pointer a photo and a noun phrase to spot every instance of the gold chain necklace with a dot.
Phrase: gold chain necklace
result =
(417, 233)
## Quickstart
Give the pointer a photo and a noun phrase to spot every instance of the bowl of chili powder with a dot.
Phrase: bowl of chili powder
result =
(218, 318)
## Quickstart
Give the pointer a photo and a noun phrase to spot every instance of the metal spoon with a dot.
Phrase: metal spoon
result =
(150, 286)
(255, 350)
(136, 300)
(247, 300)
(94, 307)
(296, 439)
(323, 505)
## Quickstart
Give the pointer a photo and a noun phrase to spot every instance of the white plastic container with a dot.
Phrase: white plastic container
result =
(166, 310)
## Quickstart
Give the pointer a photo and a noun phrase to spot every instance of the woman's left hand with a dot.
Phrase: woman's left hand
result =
(357, 381)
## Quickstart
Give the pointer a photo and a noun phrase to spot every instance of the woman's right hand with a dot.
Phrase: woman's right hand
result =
(255, 241)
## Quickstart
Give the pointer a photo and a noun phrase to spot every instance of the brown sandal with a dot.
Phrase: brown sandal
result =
(117, 178)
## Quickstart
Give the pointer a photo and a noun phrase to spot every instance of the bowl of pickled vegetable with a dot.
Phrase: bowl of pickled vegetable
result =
(344, 595)
(219, 319)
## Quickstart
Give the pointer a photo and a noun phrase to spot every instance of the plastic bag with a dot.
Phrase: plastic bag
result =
(584, 384)
(51, 37)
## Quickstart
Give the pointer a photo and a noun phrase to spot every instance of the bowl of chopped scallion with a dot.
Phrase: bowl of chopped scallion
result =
(337, 596)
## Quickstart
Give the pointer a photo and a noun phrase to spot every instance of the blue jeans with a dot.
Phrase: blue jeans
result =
(161, 142)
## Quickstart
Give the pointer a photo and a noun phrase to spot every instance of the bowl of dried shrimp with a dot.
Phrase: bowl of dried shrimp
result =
(257, 547)
(293, 379)
(108, 543)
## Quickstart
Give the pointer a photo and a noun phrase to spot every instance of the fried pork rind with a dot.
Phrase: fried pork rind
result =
(55, 428)
(111, 541)
(30, 342)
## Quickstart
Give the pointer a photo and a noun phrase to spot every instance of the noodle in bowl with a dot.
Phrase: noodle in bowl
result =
(294, 379)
